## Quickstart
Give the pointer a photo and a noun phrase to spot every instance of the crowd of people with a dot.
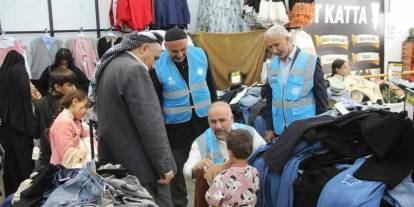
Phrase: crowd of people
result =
(157, 115)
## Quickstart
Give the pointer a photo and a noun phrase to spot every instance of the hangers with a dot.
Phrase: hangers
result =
(81, 33)
(46, 33)
(3, 34)
(110, 33)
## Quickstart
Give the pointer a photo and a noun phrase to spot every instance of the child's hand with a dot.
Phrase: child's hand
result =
(214, 169)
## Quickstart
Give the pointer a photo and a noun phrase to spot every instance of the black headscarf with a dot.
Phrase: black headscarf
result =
(15, 97)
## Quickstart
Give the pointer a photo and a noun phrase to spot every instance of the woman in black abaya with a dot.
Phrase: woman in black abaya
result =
(16, 121)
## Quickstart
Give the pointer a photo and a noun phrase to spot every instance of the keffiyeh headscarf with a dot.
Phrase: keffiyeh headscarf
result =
(130, 41)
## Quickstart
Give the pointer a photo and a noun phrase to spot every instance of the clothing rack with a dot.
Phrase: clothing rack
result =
(52, 31)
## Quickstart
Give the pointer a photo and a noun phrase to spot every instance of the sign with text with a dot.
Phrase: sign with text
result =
(352, 30)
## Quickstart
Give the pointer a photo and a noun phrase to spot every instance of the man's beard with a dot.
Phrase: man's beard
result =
(223, 135)
(179, 61)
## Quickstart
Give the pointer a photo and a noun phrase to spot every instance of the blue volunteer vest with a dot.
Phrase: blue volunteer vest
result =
(344, 190)
(176, 105)
(208, 146)
(295, 100)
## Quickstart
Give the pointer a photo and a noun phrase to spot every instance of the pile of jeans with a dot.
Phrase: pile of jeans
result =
(55, 185)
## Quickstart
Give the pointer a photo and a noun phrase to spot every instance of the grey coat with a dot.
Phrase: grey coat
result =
(131, 126)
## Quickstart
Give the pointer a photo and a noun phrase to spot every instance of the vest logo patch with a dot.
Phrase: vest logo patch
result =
(351, 180)
(295, 90)
(200, 72)
(171, 81)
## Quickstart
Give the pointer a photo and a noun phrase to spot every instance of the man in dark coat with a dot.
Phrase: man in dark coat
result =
(130, 122)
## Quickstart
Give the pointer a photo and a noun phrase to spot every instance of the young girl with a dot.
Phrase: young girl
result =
(62, 82)
(66, 130)
(238, 185)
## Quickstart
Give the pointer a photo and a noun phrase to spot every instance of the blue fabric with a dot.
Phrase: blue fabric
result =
(298, 87)
(212, 148)
(210, 140)
(173, 82)
(274, 189)
(171, 12)
(59, 179)
(85, 188)
(260, 125)
(251, 97)
(391, 201)
(269, 181)
(8, 201)
(290, 173)
(48, 41)
(245, 112)
(259, 122)
(403, 194)
(344, 190)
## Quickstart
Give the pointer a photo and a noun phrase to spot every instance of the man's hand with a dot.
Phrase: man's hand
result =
(214, 169)
(202, 164)
(166, 179)
(270, 135)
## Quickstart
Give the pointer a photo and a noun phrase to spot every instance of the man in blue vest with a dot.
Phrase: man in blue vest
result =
(296, 87)
(211, 145)
(185, 89)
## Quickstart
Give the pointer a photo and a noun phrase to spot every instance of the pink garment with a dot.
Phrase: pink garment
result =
(84, 56)
(9, 45)
(236, 186)
(65, 132)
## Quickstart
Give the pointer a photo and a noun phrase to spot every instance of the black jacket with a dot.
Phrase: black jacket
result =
(43, 114)
(387, 136)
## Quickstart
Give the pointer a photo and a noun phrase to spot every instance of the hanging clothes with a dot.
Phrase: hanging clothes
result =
(249, 15)
(16, 121)
(107, 42)
(220, 16)
(357, 85)
(84, 55)
(136, 15)
(302, 13)
(303, 41)
(226, 53)
(254, 4)
(171, 12)
(272, 12)
(8, 44)
(43, 54)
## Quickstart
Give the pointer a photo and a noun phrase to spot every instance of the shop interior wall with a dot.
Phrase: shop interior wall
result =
(32, 15)
(398, 21)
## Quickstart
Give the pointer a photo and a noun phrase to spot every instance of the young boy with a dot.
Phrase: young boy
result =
(238, 185)
(62, 81)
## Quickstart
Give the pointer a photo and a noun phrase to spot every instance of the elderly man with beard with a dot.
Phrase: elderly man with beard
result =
(295, 85)
(130, 123)
(211, 145)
